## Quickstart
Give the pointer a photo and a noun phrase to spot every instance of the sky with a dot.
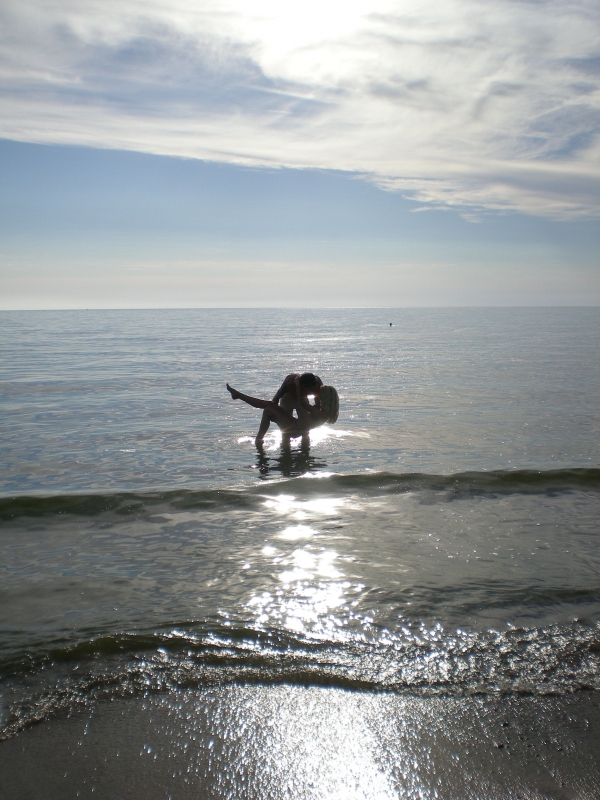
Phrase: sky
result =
(261, 153)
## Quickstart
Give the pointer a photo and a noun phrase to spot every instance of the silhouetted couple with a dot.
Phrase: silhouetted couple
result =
(293, 396)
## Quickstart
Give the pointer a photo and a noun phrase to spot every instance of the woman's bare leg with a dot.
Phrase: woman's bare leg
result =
(271, 412)
(255, 402)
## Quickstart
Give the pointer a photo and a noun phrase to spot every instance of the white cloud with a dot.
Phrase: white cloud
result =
(483, 106)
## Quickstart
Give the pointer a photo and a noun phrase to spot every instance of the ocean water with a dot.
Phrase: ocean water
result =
(440, 543)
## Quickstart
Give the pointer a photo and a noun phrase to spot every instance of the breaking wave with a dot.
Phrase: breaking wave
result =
(493, 483)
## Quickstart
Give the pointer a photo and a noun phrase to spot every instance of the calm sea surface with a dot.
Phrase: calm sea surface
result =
(443, 538)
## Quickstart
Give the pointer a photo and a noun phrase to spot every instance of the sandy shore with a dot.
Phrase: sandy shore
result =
(290, 742)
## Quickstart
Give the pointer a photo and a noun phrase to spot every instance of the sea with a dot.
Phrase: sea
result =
(409, 607)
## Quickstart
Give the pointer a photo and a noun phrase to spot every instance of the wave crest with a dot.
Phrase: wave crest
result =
(494, 483)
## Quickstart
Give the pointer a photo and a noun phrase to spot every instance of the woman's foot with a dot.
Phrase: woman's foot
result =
(233, 392)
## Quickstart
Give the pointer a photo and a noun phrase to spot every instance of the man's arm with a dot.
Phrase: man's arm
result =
(288, 382)
(302, 398)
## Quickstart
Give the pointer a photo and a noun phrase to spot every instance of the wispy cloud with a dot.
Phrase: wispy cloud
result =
(483, 106)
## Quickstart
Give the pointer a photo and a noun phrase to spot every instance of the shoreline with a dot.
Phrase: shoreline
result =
(273, 742)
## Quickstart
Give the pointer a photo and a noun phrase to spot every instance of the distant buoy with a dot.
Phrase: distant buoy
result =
(390, 324)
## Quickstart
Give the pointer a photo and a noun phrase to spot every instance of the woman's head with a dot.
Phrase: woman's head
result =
(330, 403)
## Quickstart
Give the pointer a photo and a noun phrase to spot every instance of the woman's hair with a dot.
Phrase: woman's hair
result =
(330, 403)
(308, 380)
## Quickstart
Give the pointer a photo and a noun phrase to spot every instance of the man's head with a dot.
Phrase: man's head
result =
(309, 383)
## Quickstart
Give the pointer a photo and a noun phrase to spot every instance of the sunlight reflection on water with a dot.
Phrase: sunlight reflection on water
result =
(286, 504)
(272, 440)
(295, 532)
(313, 588)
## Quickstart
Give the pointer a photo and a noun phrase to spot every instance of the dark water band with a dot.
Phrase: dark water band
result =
(500, 482)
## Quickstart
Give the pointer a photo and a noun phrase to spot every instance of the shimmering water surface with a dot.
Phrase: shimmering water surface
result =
(440, 542)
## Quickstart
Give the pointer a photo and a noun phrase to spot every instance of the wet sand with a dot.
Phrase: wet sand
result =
(293, 742)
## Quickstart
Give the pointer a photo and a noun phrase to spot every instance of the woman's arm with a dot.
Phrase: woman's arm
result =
(318, 393)
(315, 419)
